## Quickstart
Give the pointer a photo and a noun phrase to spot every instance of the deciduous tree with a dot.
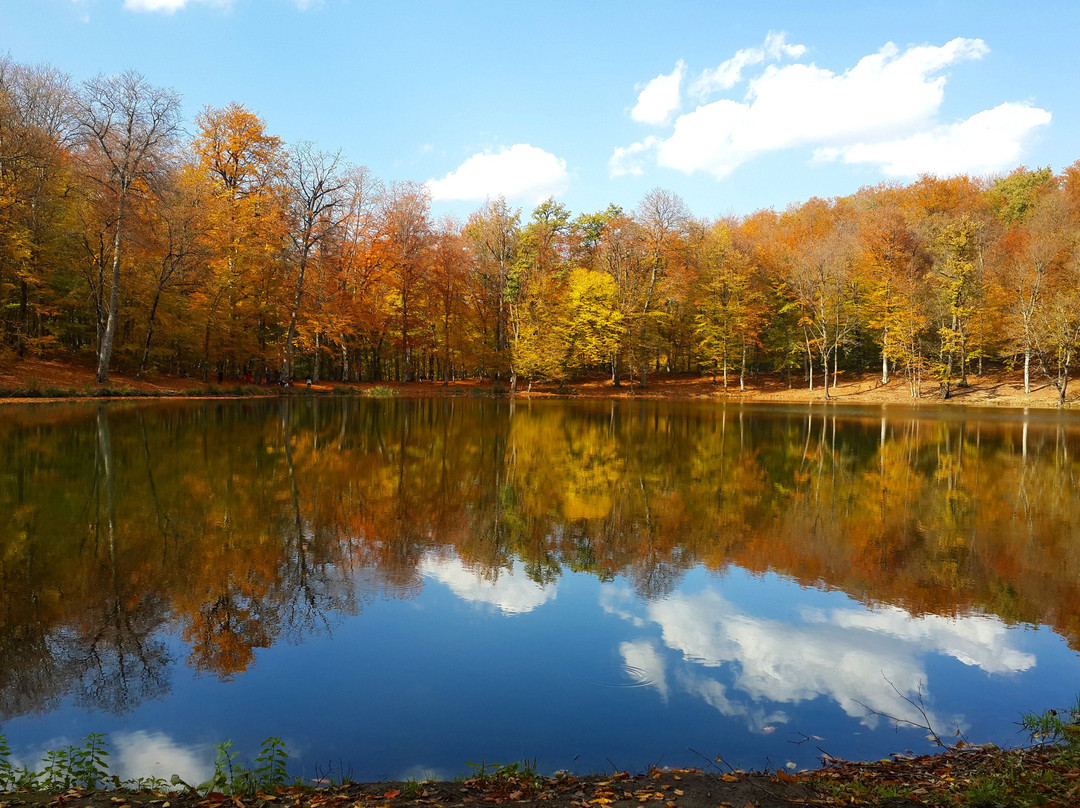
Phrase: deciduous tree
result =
(125, 125)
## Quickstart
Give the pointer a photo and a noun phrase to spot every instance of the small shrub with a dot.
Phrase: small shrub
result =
(270, 769)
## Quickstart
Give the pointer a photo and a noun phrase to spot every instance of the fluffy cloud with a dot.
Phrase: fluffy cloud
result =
(630, 160)
(166, 6)
(520, 172)
(729, 73)
(511, 591)
(660, 98)
(986, 142)
(881, 111)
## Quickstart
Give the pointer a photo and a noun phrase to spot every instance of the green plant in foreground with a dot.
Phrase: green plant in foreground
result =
(1053, 726)
(524, 772)
(89, 762)
(270, 770)
(84, 766)
(236, 780)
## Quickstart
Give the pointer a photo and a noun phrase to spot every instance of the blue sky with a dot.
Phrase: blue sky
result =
(732, 108)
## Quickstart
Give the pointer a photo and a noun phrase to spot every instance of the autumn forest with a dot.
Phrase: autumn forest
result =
(226, 253)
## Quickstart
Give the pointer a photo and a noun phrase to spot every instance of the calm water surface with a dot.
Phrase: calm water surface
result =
(398, 587)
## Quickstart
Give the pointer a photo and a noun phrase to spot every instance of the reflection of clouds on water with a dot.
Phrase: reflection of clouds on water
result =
(786, 663)
(618, 601)
(863, 660)
(645, 665)
(714, 694)
(155, 754)
(977, 640)
(510, 590)
(138, 754)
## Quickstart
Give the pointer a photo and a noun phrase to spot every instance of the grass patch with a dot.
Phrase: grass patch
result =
(35, 389)
(236, 391)
(381, 391)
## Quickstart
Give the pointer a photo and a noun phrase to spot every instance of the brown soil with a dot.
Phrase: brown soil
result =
(996, 388)
(656, 789)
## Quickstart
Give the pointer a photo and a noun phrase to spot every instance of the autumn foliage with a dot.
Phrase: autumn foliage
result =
(235, 255)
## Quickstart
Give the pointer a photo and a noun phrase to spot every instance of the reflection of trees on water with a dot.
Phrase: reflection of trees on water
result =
(240, 524)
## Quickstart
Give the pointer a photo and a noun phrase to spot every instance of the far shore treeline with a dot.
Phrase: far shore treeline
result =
(231, 254)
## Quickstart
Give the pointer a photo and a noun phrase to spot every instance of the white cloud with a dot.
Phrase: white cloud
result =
(884, 110)
(520, 172)
(172, 6)
(660, 98)
(166, 6)
(729, 73)
(986, 142)
(509, 590)
(631, 159)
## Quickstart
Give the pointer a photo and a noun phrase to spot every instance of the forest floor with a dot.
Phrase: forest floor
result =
(39, 378)
(963, 776)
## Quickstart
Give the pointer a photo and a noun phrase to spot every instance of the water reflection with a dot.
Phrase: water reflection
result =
(870, 664)
(510, 590)
(242, 525)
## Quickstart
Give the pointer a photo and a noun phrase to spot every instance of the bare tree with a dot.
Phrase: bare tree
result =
(664, 220)
(317, 209)
(124, 124)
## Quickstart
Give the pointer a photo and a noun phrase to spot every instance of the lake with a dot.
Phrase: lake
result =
(400, 588)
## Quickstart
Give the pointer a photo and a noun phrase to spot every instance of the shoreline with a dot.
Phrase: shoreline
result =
(49, 381)
(964, 774)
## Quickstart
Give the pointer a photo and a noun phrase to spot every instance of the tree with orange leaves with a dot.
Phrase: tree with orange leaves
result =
(403, 253)
(237, 303)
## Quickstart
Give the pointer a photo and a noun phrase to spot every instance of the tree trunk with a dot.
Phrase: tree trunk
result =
(742, 369)
(885, 357)
(825, 372)
(149, 332)
(290, 335)
(105, 348)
